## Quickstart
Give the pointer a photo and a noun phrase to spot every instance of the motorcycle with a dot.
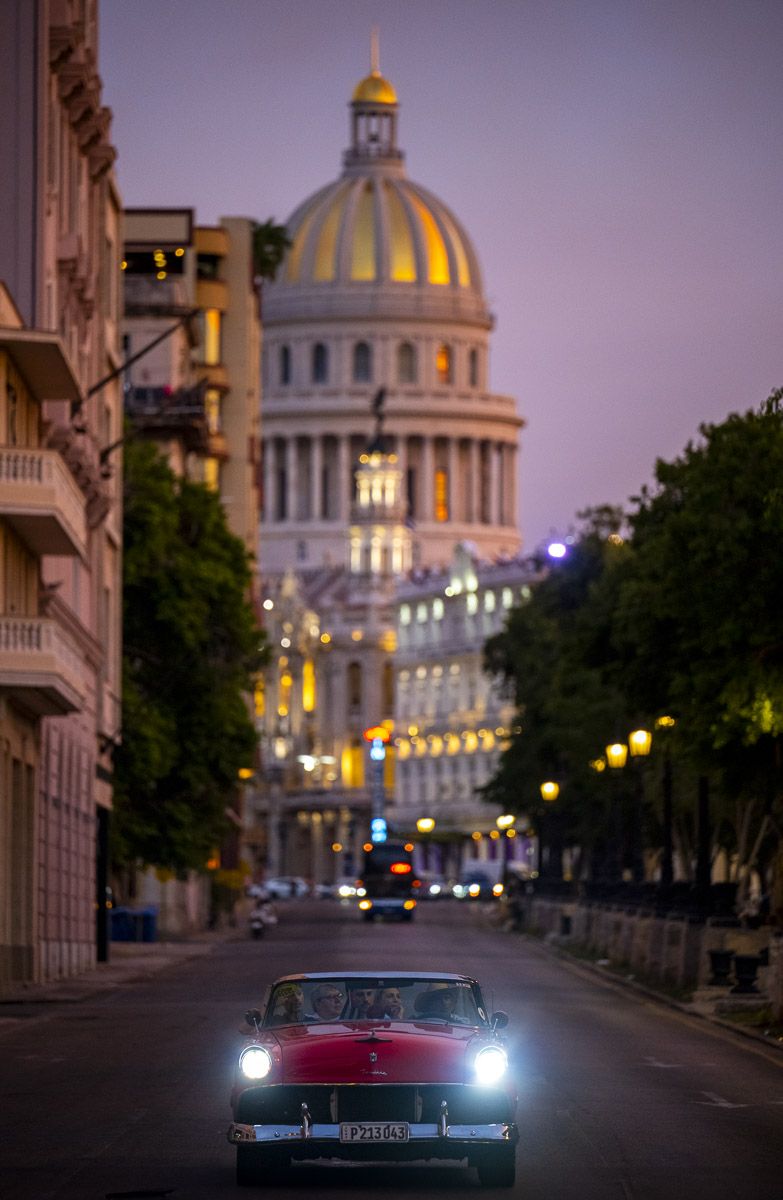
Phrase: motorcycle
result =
(262, 917)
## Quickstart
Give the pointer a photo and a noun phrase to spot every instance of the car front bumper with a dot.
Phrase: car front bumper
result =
(311, 1139)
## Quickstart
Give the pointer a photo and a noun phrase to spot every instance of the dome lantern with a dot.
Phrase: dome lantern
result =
(373, 117)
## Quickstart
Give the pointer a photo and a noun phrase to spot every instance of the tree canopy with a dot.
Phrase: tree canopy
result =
(191, 647)
(683, 618)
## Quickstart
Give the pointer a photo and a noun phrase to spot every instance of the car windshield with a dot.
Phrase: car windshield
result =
(390, 999)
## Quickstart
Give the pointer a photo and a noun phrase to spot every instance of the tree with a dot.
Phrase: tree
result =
(191, 648)
(270, 243)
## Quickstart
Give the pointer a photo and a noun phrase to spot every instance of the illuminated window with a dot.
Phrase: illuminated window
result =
(362, 363)
(320, 371)
(405, 614)
(443, 364)
(212, 346)
(441, 496)
(406, 363)
(437, 609)
(508, 598)
(212, 474)
(352, 764)
(489, 601)
(308, 685)
(285, 365)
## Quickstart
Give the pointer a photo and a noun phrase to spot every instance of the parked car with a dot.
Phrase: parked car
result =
(286, 887)
(387, 1066)
(477, 886)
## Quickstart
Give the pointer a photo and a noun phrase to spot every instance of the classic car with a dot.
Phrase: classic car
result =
(374, 1066)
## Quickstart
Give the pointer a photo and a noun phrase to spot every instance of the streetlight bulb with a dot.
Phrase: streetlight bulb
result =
(504, 821)
(616, 754)
(550, 790)
(556, 550)
(425, 824)
(639, 743)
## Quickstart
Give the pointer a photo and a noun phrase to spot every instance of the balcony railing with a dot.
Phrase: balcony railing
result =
(39, 666)
(41, 500)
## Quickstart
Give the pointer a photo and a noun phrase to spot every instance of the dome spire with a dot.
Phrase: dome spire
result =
(375, 64)
(373, 116)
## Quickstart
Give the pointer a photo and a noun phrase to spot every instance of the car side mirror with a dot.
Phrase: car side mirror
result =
(253, 1018)
(499, 1020)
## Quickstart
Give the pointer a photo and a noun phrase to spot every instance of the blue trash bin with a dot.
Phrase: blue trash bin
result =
(121, 925)
(149, 924)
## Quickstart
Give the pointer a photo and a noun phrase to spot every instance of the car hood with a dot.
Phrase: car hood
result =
(363, 1053)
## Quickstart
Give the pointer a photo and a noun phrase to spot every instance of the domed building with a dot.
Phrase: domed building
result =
(383, 450)
(381, 289)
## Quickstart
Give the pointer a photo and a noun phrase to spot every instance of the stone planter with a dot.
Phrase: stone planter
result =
(720, 964)
(746, 968)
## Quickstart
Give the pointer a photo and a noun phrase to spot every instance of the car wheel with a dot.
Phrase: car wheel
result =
(498, 1169)
(256, 1166)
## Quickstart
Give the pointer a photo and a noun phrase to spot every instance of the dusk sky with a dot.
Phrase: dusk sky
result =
(618, 165)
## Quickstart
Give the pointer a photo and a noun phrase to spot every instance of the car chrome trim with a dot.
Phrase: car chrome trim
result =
(239, 1134)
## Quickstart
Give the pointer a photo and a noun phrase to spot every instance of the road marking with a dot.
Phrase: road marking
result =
(653, 1062)
(715, 1101)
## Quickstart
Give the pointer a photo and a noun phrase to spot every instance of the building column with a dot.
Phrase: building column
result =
(316, 470)
(269, 480)
(452, 452)
(427, 479)
(474, 502)
(291, 466)
(343, 469)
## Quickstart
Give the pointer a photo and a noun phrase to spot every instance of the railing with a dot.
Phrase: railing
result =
(36, 482)
(35, 654)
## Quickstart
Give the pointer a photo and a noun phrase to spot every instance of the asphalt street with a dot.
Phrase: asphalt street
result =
(122, 1091)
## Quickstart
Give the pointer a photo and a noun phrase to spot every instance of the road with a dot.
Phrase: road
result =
(620, 1098)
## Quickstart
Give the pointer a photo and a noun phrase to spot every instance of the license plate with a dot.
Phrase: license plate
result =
(374, 1131)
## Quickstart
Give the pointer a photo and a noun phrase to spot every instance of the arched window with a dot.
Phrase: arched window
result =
(443, 363)
(354, 685)
(362, 363)
(473, 367)
(406, 363)
(285, 365)
(320, 363)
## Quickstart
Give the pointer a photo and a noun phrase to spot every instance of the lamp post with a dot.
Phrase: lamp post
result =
(425, 826)
(667, 847)
(616, 757)
(505, 823)
(550, 790)
(639, 744)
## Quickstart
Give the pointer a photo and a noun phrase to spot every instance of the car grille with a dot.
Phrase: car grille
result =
(282, 1103)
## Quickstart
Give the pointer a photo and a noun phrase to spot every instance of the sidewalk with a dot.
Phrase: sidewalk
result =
(128, 962)
(701, 1006)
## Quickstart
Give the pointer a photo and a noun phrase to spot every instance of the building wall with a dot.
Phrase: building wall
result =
(59, 258)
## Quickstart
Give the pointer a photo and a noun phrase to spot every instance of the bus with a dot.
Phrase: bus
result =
(388, 883)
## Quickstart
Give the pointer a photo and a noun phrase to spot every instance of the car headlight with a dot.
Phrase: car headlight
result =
(491, 1064)
(255, 1062)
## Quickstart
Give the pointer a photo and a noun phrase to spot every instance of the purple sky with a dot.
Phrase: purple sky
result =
(617, 164)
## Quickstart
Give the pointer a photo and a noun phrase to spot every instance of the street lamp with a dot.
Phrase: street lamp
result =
(505, 823)
(639, 743)
(667, 858)
(425, 824)
(550, 790)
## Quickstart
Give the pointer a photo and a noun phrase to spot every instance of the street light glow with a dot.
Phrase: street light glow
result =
(616, 754)
(550, 790)
(425, 824)
(557, 550)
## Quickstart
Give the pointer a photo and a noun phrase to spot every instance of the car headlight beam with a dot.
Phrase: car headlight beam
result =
(255, 1062)
(491, 1064)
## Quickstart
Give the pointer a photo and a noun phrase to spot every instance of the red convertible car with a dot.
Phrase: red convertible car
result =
(374, 1066)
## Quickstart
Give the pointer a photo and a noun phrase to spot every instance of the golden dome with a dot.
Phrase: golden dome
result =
(375, 90)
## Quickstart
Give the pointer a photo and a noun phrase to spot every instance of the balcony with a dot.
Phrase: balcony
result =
(161, 413)
(39, 667)
(41, 501)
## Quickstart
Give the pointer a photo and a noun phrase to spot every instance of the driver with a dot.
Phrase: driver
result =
(440, 1000)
